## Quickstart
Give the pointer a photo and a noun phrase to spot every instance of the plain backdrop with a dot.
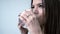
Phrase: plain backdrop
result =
(9, 10)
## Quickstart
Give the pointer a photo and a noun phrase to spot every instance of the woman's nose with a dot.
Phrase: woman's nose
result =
(36, 10)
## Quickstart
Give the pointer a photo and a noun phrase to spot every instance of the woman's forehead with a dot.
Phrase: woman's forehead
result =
(37, 1)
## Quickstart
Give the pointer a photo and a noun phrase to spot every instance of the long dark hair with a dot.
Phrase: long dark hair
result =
(52, 10)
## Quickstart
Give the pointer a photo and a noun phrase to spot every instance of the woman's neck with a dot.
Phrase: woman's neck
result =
(42, 25)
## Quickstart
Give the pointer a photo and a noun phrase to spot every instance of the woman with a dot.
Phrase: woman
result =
(44, 17)
(37, 17)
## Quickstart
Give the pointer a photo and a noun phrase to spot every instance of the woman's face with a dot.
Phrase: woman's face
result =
(38, 8)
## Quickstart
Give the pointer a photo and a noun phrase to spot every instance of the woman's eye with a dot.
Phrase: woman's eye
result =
(42, 6)
(32, 7)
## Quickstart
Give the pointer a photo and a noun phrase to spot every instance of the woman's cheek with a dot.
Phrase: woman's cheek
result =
(40, 12)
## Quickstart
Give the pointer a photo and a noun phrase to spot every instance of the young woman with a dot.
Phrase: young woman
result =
(42, 19)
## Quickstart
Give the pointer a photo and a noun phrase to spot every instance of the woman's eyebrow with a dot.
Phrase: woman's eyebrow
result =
(41, 4)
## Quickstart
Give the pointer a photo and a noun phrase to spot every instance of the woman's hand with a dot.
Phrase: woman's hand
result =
(30, 20)
(22, 29)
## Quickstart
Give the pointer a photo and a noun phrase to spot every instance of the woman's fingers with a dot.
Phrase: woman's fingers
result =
(30, 15)
(23, 17)
(27, 16)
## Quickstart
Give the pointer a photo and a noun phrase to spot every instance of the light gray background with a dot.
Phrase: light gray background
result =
(9, 10)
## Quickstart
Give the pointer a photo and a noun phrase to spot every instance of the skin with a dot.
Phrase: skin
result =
(36, 18)
(39, 10)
